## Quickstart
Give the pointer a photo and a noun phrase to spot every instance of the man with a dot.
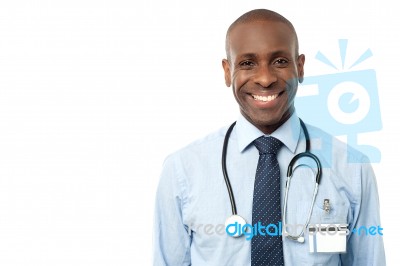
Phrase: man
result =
(263, 67)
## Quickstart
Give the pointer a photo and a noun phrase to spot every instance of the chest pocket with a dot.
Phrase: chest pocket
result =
(300, 200)
(298, 211)
(337, 213)
(297, 219)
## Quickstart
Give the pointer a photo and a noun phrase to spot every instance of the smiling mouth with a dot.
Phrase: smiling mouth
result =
(266, 98)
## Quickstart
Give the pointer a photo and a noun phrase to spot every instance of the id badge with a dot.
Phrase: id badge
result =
(327, 238)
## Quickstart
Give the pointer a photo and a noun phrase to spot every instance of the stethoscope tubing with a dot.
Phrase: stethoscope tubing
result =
(224, 170)
(290, 171)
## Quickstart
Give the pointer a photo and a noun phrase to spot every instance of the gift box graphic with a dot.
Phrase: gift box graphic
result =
(343, 103)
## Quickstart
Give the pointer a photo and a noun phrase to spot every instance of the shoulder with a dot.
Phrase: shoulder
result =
(343, 165)
(334, 150)
(201, 147)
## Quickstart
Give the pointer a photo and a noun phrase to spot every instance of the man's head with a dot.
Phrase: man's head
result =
(264, 67)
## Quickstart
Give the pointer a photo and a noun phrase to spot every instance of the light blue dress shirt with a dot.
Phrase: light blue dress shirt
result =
(192, 201)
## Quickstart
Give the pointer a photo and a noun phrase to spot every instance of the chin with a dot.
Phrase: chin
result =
(265, 122)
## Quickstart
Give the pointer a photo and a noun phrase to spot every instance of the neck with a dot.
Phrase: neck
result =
(270, 128)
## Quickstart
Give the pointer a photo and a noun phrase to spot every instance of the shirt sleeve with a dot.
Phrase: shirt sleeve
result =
(365, 245)
(171, 238)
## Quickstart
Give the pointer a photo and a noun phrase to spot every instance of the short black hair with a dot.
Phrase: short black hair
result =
(260, 15)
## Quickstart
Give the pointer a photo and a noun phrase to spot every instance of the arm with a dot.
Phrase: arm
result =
(363, 248)
(171, 238)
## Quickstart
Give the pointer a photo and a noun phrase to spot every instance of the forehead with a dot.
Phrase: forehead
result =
(261, 37)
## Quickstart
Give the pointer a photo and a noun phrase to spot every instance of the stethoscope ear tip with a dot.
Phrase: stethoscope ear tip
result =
(300, 239)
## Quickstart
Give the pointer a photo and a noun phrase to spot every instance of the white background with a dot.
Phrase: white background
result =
(95, 94)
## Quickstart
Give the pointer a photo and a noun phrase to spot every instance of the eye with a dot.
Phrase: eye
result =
(281, 62)
(246, 64)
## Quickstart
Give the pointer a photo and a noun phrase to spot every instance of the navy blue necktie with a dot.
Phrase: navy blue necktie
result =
(267, 249)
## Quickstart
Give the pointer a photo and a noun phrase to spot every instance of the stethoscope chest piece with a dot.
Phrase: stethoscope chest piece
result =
(234, 225)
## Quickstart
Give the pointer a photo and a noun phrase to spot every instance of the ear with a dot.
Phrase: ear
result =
(300, 67)
(227, 71)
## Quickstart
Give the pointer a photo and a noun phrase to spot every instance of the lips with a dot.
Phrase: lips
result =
(268, 98)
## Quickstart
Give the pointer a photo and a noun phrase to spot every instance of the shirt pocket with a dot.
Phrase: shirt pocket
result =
(296, 220)
(299, 215)
(298, 212)
(337, 214)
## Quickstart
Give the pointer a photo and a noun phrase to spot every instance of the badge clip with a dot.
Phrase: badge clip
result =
(327, 206)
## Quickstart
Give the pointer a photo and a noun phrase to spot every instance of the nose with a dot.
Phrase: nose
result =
(265, 76)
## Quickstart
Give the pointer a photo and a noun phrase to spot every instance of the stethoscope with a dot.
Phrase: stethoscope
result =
(235, 218)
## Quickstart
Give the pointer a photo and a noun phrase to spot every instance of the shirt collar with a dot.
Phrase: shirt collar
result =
(288, 133)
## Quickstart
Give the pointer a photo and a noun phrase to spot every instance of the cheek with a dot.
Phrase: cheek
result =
(291, 87)
(238, 80)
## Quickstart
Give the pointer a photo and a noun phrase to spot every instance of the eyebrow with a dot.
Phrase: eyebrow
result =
(273, 54)
(248, 55)
(241, 57)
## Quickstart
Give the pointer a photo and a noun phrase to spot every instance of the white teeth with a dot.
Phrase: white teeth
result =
(265, 98)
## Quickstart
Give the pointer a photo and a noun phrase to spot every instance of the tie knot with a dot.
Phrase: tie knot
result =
(267, 145)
